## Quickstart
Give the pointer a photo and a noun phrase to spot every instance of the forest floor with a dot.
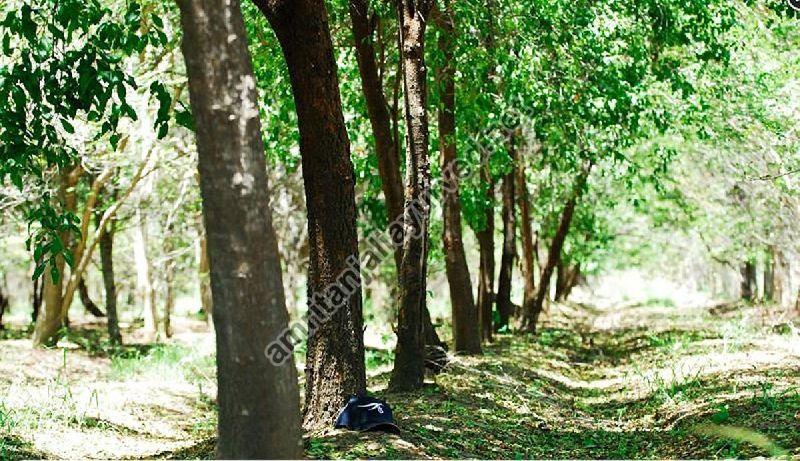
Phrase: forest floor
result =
(648, 380)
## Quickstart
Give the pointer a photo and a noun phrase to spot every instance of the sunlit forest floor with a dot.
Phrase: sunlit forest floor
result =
(637, 380)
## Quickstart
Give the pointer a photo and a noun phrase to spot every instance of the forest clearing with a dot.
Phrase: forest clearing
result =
(492, 229)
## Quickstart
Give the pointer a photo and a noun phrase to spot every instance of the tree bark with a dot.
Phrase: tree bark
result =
(748, 284)
(485, 236)
(466, 329)
(144, 280)
(259, 408)
(53, 309)
(36, 300)
(528, 245)
(387, 148)
(409, 364)
(503, 301)
(3, 307)
(554, 254)
(109, 283)
(86, 300)
(335, 358)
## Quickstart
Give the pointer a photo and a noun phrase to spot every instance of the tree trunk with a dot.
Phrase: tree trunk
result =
(86, 300)
(504, 306)
(554, 254)
(769, 275)
(528, 245)
(335, 358)
(3, 307)
(749, 282)
(573, 278)
(53, 310)
(387, 147)
(144, 281)
(107, 266)
(169, 301)
(466, 329)
(485, 236)
(259, 408)
(36, 301)
(409, 364)
(561, 279)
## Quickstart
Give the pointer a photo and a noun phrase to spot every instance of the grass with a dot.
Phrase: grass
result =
(719, 388)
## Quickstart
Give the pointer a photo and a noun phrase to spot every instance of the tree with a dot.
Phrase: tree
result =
(503, 301)
(259, 410)
(335, 357)
(387, 143)
(409, 363)
(466, 334)
(529, 246)
(556, 245)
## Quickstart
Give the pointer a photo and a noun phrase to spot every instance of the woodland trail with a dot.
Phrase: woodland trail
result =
(620, 381)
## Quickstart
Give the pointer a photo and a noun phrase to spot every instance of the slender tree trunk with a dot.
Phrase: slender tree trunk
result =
(107, 266)
(3, 307)
(769, 275)
(259, 408)
(485, 236)
(749, 283)
(466, 334)
(561, 279)
(53, 309)
(144, 281)
(504, 306)
(387, 147)
(528, 245)
(572, 278)
(335, 358)
(554, 254)
(86, 300)
(409, 364)
(36, 301)
(169, 301)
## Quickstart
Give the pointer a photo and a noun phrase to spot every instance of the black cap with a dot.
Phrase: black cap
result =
(366, 414)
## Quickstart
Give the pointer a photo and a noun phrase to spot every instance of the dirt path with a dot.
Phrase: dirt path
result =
(614, 381)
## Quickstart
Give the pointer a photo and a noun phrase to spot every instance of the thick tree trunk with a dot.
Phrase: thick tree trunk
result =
(561, 279)
(409, 364)
(53, 310)
(107, 266)
(748, 287)
(86, 300)
(259, 408)
(554, 254)
(335, 358)
(528, 244)
(466, 334)
(504, 306)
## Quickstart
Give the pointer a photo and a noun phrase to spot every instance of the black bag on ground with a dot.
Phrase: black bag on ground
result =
(366, 414)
